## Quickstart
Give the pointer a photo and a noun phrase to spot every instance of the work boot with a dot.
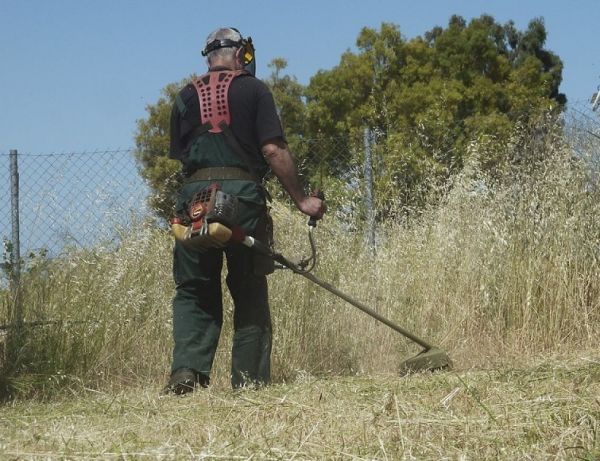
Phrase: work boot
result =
(185, 380)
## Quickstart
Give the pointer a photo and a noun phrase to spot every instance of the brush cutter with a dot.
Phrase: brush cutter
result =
(212, 227)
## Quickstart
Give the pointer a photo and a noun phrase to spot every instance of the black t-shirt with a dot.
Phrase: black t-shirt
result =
(254, 118)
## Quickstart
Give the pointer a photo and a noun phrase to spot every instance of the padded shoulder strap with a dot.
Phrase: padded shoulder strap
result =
(213, 89)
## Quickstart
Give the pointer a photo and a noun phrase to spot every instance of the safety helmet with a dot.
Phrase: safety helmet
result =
(244, 44)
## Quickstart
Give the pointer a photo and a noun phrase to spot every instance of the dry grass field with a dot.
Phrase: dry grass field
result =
(545, 410)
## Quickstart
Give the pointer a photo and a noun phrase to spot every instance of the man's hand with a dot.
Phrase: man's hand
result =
(312, 206)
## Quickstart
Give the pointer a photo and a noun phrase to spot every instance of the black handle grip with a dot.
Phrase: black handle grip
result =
(312, 222)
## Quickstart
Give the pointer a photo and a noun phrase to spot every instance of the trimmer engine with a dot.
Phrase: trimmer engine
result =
(211, 215)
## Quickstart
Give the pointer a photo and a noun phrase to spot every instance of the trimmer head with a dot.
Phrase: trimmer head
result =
(432, 359)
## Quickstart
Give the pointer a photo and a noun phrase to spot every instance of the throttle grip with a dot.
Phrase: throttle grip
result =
(312, 221)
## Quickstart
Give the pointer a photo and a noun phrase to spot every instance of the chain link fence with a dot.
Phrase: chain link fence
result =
(583, 132)
(67, 200)
(82, 199)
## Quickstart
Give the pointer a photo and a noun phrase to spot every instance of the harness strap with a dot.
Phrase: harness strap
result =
(180, 105)
(221, 173)
(238, 149)
(212, 89)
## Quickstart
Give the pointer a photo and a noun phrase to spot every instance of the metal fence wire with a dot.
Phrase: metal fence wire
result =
(70, 199)
(81, 199)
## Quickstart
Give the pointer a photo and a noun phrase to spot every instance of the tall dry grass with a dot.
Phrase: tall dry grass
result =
(504, 267)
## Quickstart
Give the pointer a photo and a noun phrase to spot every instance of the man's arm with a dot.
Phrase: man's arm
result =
(282, 163)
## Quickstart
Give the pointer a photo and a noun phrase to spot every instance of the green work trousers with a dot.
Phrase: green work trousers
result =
(198, 308)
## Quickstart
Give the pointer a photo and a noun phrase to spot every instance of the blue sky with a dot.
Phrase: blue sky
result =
(75, 75)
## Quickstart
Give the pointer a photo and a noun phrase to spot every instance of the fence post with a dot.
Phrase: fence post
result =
(14, 203)
(369, 194)
(15, 273)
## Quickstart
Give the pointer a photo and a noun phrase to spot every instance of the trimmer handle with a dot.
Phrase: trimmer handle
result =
(312, 222)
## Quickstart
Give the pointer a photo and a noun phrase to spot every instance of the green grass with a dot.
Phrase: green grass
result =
(545, 410)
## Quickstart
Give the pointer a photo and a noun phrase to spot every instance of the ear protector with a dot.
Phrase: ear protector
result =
(244, 45)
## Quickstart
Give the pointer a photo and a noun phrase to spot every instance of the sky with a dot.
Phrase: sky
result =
(76, 75)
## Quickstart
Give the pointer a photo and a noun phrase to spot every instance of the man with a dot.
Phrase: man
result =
(225, 129)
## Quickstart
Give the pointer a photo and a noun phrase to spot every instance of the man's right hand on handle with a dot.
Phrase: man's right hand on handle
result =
(280, 160)
(313, 207)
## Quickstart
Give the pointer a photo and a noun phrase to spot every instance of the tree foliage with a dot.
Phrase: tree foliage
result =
(428, 97)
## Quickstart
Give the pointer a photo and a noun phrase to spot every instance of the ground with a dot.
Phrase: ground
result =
(546, 410)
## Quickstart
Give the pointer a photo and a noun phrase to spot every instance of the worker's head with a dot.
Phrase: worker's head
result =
(226, 47)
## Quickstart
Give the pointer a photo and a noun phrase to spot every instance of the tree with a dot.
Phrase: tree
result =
(429, 97)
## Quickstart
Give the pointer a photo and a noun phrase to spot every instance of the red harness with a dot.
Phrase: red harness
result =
(212, 89)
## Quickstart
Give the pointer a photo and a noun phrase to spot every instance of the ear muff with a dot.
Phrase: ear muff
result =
(245, 52)
(248, 56)
(248, 50)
